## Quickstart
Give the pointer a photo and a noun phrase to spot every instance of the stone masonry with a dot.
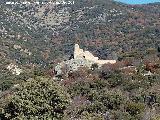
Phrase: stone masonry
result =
(80, 53)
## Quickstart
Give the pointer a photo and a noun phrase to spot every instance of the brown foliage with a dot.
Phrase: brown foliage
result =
(149, 66)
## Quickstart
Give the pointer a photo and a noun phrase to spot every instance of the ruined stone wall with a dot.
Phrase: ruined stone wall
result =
(80, 53)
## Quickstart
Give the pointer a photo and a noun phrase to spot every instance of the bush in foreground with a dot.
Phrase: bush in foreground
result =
(39, 98)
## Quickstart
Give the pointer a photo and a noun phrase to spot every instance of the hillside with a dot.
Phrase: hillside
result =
(102, 26)
(35, 35)
(34, 38)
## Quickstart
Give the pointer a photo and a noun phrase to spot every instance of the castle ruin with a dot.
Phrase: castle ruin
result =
(80, 53)
(81, 59)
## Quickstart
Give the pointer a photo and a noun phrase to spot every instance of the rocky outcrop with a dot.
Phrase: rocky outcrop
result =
(72, 65)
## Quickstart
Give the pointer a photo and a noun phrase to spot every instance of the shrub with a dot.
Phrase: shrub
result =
(134, 108)
(91, 116)
(5, 85)
(120, 115)
(156, 118)
(39, 98)
(94, 66)
(115, 80)
(108, 100)
(112, 99)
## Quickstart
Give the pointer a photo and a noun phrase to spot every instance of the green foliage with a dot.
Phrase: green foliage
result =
(39, 98)
(109, 99)
(108, 27)
(120, 115)
(115, 80)
(6, 84)
(130, 85)
(79, 88)
(151, 51)
(134, 108)
(156, 118)
(135, 82)
(94, 66)
(91, 116)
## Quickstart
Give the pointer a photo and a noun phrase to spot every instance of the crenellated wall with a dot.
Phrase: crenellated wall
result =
(80, 53)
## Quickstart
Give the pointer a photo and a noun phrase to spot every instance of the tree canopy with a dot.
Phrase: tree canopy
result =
(39, 98)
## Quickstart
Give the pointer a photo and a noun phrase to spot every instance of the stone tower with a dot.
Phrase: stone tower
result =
(77, 51)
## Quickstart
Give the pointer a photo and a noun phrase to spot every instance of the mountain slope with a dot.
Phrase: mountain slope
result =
(46, 32)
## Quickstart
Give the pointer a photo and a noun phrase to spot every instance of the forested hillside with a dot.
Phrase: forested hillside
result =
(34, 38)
